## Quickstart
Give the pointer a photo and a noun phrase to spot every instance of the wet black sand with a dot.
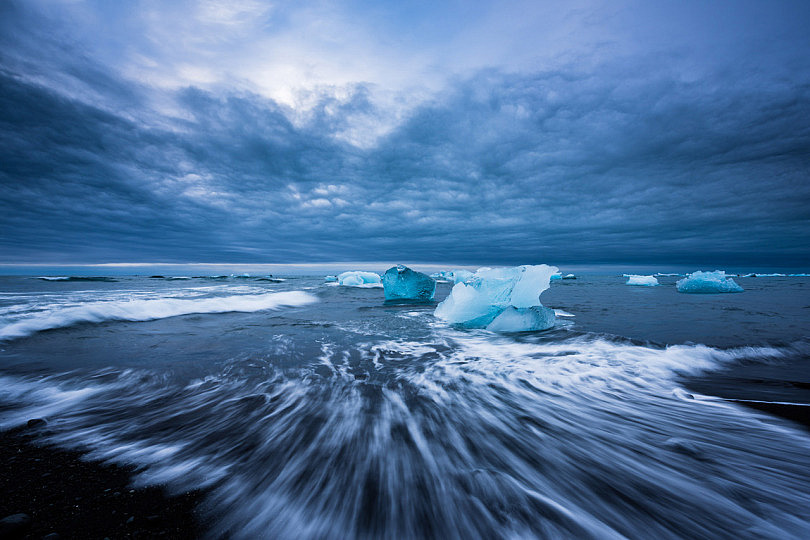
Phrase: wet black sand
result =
(780, 388)
(74, 498)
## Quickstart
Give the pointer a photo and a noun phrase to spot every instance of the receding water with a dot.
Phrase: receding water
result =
(321, 412)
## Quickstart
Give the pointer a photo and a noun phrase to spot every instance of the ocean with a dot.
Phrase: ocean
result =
(309, 410)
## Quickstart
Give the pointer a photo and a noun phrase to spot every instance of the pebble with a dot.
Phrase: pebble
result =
(14, 526)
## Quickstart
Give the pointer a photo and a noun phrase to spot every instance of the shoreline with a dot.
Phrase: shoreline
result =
(66, 495)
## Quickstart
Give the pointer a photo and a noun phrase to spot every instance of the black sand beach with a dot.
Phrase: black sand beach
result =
(65, 495)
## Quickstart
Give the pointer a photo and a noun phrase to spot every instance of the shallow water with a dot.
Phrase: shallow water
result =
(321, 412)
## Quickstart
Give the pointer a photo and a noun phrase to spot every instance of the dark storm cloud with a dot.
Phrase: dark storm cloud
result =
(626, 160)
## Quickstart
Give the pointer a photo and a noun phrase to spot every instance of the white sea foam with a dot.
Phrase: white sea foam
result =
(470, 423)
(56, 316)
(563, 313)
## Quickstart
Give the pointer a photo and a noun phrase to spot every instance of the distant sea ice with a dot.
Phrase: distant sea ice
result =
(356, 278)
(646, 281)
(708, 283)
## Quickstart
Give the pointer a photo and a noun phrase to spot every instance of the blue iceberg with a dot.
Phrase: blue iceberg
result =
(359, 279)
(645, 281)
(500, 299)
(708, 283)
(402, 283)
(330, 279)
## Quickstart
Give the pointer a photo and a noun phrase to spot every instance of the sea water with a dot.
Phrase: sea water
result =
(318, 411)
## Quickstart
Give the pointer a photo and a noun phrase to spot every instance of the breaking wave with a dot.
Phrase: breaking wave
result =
(146, 310)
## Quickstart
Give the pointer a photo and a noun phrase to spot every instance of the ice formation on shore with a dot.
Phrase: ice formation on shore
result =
(501, 299)
(646, 281)
(356, 278)
(402, 283)
(707, 283)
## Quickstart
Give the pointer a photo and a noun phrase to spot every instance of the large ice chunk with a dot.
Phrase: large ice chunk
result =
(402, 283)
(646, 281)
(490, 291)
(708, 282)
(359, 279)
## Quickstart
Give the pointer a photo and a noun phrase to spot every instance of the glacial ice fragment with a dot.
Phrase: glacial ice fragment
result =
(359, 279)
(707, 283)
(490, 291)
(330, 279)
(402, 283)
(646, 281)
(514, 319)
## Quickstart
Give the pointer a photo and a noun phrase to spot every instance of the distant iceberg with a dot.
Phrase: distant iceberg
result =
(646, 281)
(460, 276)
(501, 299)
(799, 275)
(402, 283)
(559, 275)
(356, 278)
(330, 279)
(707, 283)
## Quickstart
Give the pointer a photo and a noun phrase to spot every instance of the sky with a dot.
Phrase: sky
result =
(508, 132)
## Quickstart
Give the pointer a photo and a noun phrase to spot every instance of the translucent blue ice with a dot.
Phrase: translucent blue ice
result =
(489, 292)
(402, 283)
(707, 283)
(514, 319)
(330, 279)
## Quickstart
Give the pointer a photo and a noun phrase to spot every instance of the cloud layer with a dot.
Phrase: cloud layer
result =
(641, 156)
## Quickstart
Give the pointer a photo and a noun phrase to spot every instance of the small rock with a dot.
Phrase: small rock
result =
(36, 422)
(14, 526)
(131, 520)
